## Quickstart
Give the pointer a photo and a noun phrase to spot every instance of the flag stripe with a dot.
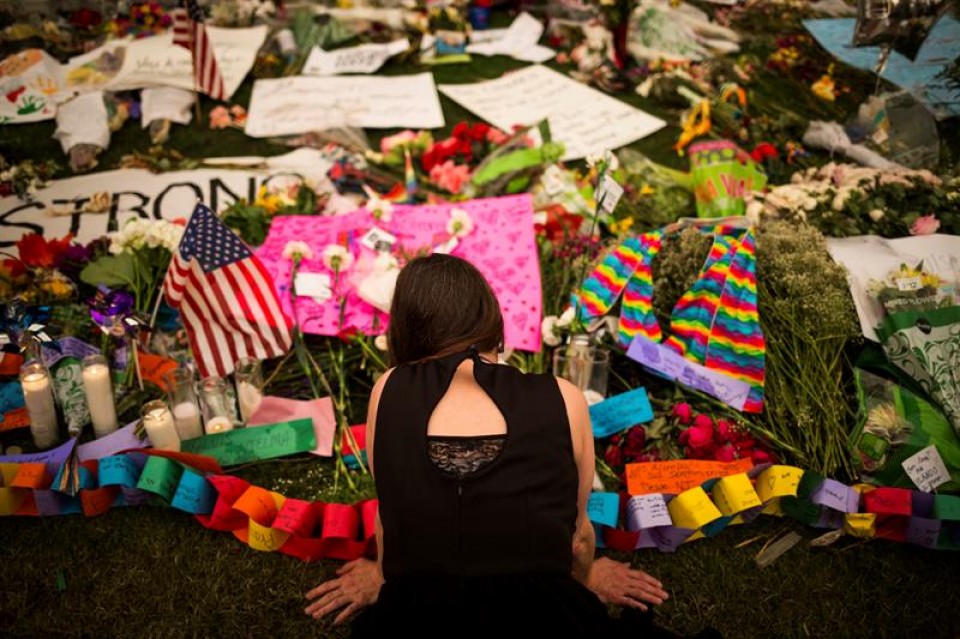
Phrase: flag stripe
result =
(269, 342)
(228, 300)
(190, 32)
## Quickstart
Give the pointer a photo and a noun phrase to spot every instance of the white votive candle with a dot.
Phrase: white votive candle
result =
(159, 424)
(187, 417)
(218, 424)
(99, 390)
(38, 397)
(249, 397)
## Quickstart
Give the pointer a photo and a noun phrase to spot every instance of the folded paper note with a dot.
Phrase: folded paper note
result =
(320, 411)
(603, 508)
(365, 58)
(674, 477)
(620, 412)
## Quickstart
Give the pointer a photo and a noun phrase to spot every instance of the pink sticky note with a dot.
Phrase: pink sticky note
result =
(501, 245)
(273, 410)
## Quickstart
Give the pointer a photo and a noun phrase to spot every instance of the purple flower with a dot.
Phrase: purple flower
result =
(109, 306)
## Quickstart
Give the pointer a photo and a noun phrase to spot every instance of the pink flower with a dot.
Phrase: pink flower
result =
(760, 456)
(496, 136)
(220, 118)
(725, 453)
(449, 176)
(697, 437)
(683, 412)
(703, 421)
(388, 143)
(725, 432)
(636, 439)
(925, 225)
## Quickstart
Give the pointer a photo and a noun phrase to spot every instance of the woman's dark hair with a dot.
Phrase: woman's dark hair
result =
(442, 305)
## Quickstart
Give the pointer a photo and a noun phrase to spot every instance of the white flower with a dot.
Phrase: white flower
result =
(809, 203)
(876, 215)
(840, 199)
(139, 233)
(380, 209)
(547, 328)
(607, 157)
(337, 258)
(460, 223)
(566, 318)
(297, 250)
(754, 211)
(380, 341)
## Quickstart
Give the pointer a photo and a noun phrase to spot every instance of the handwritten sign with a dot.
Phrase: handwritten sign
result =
(734, 494)
(365, 58)
(287, 106)
(273, 410)
(673, 477)
(265, 538)
(502, 246)
(160, 476)
(69, 347)
(692, 509)
(603, 508)
(926, 469)
(889, 501)
(620, 412)
(32, 82)
(118, 470)
(296, 517)
(194, 493)
(778, 481)
(585, 120)
(672, 365)
(250, 444)
(647, 511)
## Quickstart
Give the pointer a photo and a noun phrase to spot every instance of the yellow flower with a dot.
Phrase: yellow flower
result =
(646, 189)
(621, 226)
(271, 202)
(824, 88)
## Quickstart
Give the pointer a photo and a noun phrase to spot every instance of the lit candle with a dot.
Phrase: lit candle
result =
(38, 396)
(159, 424)
(219, 425)
(249, 380)
(99, 390)
(249, 397)
(187, 417)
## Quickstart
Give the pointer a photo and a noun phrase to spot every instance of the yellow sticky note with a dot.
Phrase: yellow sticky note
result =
(778, 481)
(8, 472)
(266, 538)
(772, 507)
(692, 509)
(860, 524)
(10, 500)
(734, 494)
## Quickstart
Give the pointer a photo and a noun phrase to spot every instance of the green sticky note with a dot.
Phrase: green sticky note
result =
(160, 476)
(800, 509)
(946, 507)
(808, 484)
(259, 442)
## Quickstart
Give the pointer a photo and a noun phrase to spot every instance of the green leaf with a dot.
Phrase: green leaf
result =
(111, 270)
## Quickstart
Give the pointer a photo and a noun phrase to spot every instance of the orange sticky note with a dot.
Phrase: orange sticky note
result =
(674, 477)
(31, 476)
(16, 418)
(153, 368)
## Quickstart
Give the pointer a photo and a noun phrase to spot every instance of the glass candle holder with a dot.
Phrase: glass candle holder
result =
(585, 366)
(218, 414)
(159, 424)
(98, 387)
(248, 377)
(41, 407)
(182, 395)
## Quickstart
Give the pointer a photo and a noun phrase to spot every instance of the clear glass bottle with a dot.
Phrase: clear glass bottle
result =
(248, 377)
(218, 413)
(41, 406)
(182, 395)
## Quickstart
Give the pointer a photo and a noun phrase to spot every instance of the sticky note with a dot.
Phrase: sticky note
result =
(8, 472)
(692, 509)
(926, 469)
(118, 470)
(16, 418)
(778, 481)
(889, 501)
(620, 412)
(836, 495)
(860, 524)
(923, 532)
(160, 476)
(647, 511)
(947, 507)
(674, 477)
(734, 494)
(194, 494)
(800, 509)
(923, 504)
(603, 508)
(264, 538)
(829, 518)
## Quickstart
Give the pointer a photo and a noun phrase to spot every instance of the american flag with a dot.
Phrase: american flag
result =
(225, 297)
(190, 32)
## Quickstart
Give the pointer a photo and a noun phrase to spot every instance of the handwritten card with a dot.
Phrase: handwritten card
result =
(251, 444)
(647, 511)
(734, 494)
(778, 481)
(889, 501)
(673, 477)
(585, 120)
(692, 509)
(620, 412)
(927, 469)
(672, 365)
(836, 495)
(313, 285)
(502, 246)
(160, 476)
(603, 508)
(118, 470)
(365, 58)
(288, 106)
(194, 494)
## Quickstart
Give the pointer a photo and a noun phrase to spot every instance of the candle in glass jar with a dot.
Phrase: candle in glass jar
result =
(159, 424)
(187, 417)
(219, 425)
(249, 397)
(99, 390)
(38, 397)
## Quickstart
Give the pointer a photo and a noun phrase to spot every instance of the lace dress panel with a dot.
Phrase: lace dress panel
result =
(462, 456)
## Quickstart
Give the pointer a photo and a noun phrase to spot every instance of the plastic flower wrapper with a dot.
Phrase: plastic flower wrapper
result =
(723, 177)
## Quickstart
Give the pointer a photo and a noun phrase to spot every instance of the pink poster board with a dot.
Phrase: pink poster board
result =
(502, 246)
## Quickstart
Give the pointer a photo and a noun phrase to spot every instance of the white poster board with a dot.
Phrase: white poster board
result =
(31, 84)
(365, 58)
(584, 119)
(869, 257)
(288, 106)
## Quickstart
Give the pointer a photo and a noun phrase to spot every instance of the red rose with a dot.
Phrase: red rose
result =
(683, 412)
(613, 456)
(725, 453)
(460, 130)
(703, 421)
(636, 439)
(761, 456)
(725, 431)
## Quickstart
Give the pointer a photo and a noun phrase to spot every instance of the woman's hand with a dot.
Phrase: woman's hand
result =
(618, 584)
(356, 587)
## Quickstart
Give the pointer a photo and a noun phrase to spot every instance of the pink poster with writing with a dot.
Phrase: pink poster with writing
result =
(501, 245)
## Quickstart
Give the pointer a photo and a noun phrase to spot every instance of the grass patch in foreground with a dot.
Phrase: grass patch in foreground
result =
(155, 572)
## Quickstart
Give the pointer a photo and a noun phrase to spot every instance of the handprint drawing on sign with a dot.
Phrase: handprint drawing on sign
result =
(46, 85)
(30, 104)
